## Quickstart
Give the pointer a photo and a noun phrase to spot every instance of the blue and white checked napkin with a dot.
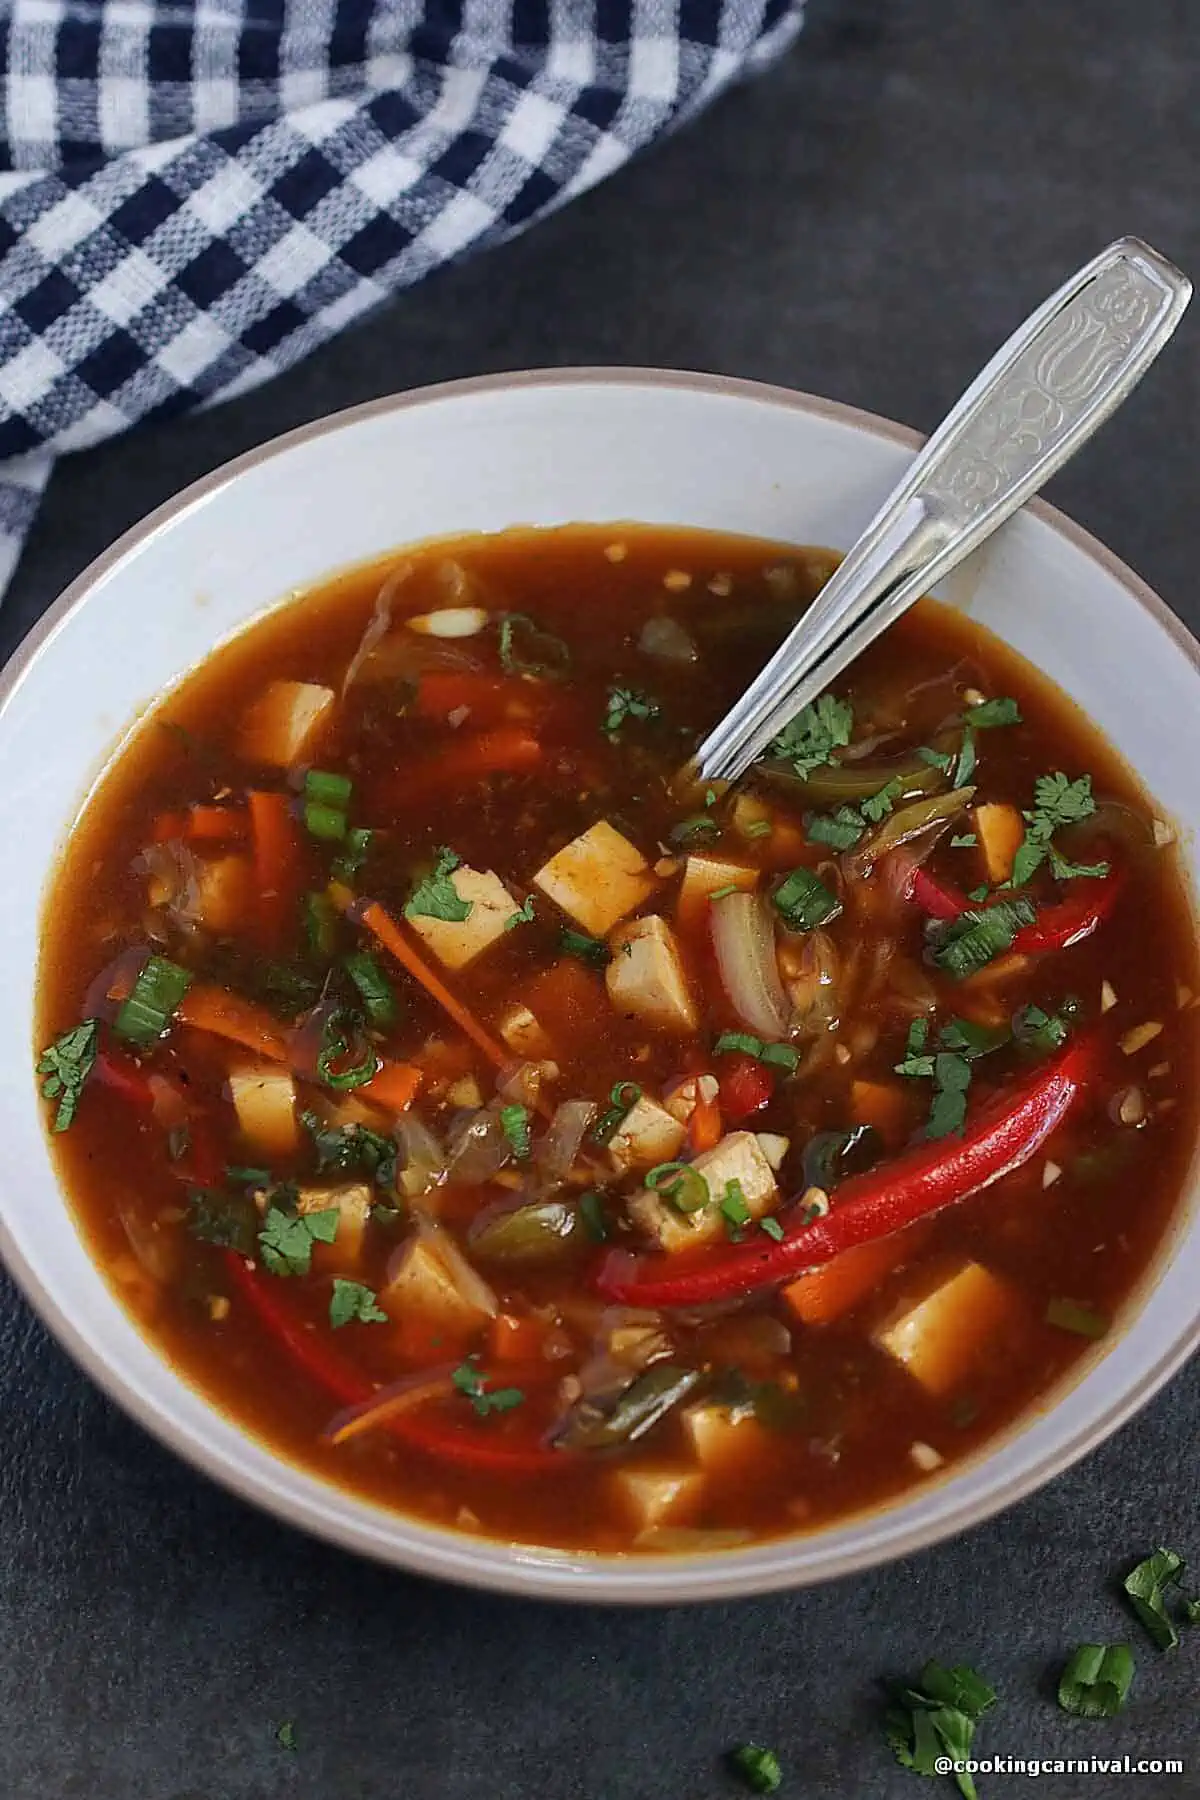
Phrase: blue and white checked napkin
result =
(194, 194)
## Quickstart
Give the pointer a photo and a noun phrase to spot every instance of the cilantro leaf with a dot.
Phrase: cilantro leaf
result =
(524, 914)
(469, 1382)
(1096, 1680)
(989, 713)
(878, 805)
(734, 1209)
(951, 1079)
(1146, 1587)
(840, 830)
(966, 840)
(436, 897)
(587, 949)
(1035, 1029)
(965, 766)
(628, 703)
(809, 740)
(347, 1148)
(64, 1067)
(228, 1221)
(287, 1238)
(351, 1301)
(1057, 801)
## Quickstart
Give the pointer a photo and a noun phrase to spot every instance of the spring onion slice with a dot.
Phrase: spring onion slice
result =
(156, 993)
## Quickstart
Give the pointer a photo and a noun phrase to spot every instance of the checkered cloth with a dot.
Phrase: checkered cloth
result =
(194, 194)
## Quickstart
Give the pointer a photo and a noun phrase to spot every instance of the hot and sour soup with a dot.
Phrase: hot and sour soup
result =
(527, 1138)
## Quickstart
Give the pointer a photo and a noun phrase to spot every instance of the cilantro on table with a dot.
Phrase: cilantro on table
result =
(965, 945)
(803, 901)
(351, 1301)
(527, 649)
(989, 713)
(64, 1067)
(287, 1237)
(436, 897)
(1057, 801)
(469, 1382)
(1147, 1586)
(352, 1148)
(628, 703)
(757, 1767)
(809, 740)
(1095, 1681)
(285, 1737)
(779, 1056)
(937, 1718)
(515, 1124)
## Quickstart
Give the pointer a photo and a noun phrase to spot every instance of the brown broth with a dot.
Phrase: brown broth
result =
(850, 1413)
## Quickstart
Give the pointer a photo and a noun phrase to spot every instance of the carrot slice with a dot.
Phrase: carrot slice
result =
(169, 825)
(228, 1016)
(276, 863)
(215, 823)
(826, 1293)
(514, 1340)
(486, 697)
(704, 1126)
(394, 1088)
(394, 939)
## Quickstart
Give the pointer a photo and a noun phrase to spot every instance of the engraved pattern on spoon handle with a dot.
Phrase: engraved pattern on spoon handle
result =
(1042, 395)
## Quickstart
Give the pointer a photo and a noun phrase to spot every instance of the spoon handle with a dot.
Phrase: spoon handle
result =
(1041, 396)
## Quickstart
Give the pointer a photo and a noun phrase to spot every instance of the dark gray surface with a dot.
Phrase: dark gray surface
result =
(868, 222)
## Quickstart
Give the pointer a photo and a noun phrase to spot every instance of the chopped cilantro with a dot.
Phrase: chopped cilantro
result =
(934, 759)
(757, 1767)
(966, 840)
(809, 740)
(436, 897)
(948, 1067)
(989, 713)
(227, 1221)
(526, 649)
(964, 768)
(948, 1110)
(977, 895)
(514, 1122)
(1096, 1680)
(877, 806)
(628, 703)
(781, 1056)
(1057, 801)
(734, 1209)
(587, 949)
(840, 830)
(1146, 1589)
(352, 1301)
(524, 914)
(772, 1227)
(469, 1382)
(803, 901)
(1035, 1029)
(344, 1148)
(287, 1238)
(64, 1067)
(972, 1040)
(937, 1719)
(964, 945)
(243, 1176)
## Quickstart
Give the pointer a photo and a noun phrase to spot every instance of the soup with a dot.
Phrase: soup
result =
(521, 1136)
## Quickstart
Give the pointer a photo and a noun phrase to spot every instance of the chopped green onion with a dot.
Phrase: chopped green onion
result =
(966, 840)
(1084, 1321)
(1096, 1680)
(591, 1211)
(378, 995)
(734, 1209)
(156, 993)
(623, 1098)
(700, 829)
(723, 893)
(758, 828)
(546, 654)
(780, 1056)
(327, 789)
(772, 1227)
(514, 1122)
(1145, 1587)
(968, 943)
(324, 822)
(335, 1047)
(803, 901)
(679, 1183)
(320, 924)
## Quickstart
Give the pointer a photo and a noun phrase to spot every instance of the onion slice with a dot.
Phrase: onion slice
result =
(744, 941)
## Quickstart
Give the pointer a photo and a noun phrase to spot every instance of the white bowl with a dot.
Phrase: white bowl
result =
(599, 445)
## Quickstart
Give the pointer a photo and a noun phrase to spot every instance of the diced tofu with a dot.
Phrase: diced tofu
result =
(222, 891)
(647, 1135)
(774, 1147)
(705, 875)
(264, 1099)
(353, 1201)
(598, 878)
(435, 1285)
(522, 1033)
(657, 1496)
(1000, 832)
(738, 1157)
(722, 1437)
(940, 1337)
(646, 978)
(284, 722)
(457, 942)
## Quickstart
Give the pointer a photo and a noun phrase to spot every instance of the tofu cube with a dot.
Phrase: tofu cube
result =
(738, 1157)
(705, 875)
(457, 942)
(646, 978)
(598, 879)
(353, 1202)
(222, 891)
(264, 1099)
(1000, 831)
(651, 1497)
(940, 1337)
(724, 1438)
(284, 722)
(647, 1135)
(522, 1033)
(434, 1286)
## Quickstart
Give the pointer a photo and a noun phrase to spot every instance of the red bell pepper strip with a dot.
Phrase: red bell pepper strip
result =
(1055, 927)
(746, 1085)
(469, 1448)
(1005, 1133)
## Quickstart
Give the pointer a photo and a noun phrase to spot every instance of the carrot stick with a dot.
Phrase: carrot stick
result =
(485, 696)
(704, 1126)
(826, 1293)
(208, 823)
(394, 1088)
(508, 750)
(169, 825)
(394, 939)
(276, 863)
(228, 1016)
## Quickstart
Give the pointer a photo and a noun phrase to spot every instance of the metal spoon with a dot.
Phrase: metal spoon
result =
(1042, 395)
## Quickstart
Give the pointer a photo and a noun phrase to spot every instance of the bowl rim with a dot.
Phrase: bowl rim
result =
(589, 1578)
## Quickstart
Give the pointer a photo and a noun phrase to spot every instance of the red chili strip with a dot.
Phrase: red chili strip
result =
(1003, 1135)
